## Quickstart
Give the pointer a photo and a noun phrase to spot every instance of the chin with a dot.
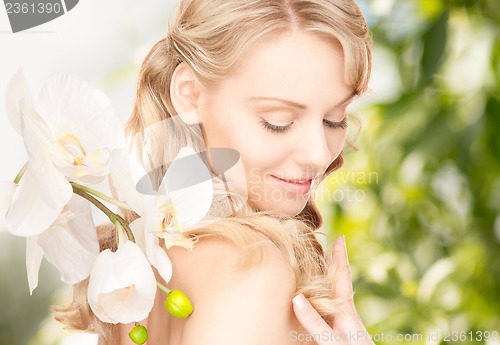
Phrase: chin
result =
(286, 208)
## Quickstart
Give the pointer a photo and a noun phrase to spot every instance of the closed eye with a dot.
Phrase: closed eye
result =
(274, 128)
(332, 124)
(281, 129)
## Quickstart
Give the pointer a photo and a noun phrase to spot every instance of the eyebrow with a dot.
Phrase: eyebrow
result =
(298, 105)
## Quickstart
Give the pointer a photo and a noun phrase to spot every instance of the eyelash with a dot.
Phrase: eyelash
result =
(281, 129)
(331, 124)
(273, 128)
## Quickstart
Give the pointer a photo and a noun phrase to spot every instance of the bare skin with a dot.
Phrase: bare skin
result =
(233, 304)
(296, 82)
(349, 322)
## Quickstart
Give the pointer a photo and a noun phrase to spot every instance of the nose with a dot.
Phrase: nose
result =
(314, 150)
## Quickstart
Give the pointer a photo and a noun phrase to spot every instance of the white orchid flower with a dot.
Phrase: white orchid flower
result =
(69, 130)
(157, 257)
(122, 286)
(189, 193)
(125, 172)
(7, 190)
(183, 199)
(70, 244)
(29, 216)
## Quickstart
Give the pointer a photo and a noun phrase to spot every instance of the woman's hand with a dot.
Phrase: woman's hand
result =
(347, 329)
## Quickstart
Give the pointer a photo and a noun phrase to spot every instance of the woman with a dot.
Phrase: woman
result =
(272, 80)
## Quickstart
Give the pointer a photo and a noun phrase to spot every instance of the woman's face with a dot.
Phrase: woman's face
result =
(284, 111)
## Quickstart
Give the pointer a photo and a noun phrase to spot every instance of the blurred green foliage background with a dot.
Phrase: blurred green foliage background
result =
(419, 201)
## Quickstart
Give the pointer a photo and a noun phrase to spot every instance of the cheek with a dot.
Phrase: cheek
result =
(237, 131)
(263, 154)
(242, 132)
(260, 160)
(336, 144)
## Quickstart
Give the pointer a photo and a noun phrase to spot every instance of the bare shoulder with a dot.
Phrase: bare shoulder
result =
(221, 265)
(218, 257)
(235, 301)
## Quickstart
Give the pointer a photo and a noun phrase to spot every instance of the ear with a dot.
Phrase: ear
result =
(184, 93)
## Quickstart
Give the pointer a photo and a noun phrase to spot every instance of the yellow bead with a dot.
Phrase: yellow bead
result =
(178, 304)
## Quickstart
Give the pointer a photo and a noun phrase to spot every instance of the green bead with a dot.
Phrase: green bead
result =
(178, 304)
(138, 334)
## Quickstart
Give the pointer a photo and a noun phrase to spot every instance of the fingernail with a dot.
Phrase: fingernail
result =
(301, 304)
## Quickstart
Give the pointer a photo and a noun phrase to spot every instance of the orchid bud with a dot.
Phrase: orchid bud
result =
(178, 304)
(138, 334)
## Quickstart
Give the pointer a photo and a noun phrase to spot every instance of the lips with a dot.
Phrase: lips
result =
(297, 186)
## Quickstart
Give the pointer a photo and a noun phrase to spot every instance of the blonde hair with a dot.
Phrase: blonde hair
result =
(211, 36)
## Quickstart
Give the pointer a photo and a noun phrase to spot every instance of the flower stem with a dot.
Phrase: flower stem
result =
(21, 172)
(163, 287)
(113, 217)
(101, 196)
(119, 228)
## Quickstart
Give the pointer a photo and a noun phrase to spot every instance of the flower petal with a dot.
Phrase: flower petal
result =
(137, 227)
(192, 204)
(17, 90)
(124, 174)
(155, 207)
(53, 186)
(71, 243)
(122, 285)
(34, 256)
(189, 183)
(156, 255)
(152, 223)
(160, 260)
(177, 239)
(70, 105)
(28, 214)
(187, 169)
(7, 190)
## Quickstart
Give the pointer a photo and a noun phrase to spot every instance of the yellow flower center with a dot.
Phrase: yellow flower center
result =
(72, 153)
(169, 215)
(78, 161)
(74, 148)
(166, 221)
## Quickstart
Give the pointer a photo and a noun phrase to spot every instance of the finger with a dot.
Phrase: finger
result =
(309, 318)
(342, 284)
(339, 251)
